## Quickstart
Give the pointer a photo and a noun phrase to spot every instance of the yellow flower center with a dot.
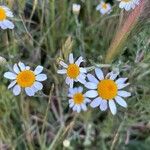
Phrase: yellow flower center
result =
(107, 89)
(78, 98)
(2, 14)
(26, 78)
(126, 1)
(73, 71)
(104, 6)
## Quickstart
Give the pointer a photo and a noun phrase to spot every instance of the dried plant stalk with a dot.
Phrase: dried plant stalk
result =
(123, 33)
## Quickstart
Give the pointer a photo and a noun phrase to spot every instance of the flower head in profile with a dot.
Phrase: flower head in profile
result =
(4, 22)
(76, 8)
(128, 4)
(104, 8)
(73, 71)
(78, 100)
(106, 91)
(24, 78)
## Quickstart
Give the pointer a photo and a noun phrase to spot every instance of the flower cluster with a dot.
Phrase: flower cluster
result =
(103, 91)
(96, 90)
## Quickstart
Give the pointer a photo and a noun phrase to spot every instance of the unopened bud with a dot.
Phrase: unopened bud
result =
(66, 143)
(76, 8)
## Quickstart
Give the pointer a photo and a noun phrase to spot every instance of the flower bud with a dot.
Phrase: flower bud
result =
(76, 8)
(66, 143)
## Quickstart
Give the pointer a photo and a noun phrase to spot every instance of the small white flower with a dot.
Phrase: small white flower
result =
(78, 100)
(73, 71)
(66, 143)
(4, 22)
(24, 78)
(106, 90)
(128, 4)
(104, 8)
(76, 8)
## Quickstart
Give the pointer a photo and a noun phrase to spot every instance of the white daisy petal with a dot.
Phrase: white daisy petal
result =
(80, 89)
(124, 94)
(12, 84)
(96, 102)
(22, 66)
(38, 85)
(68, 80)
(81, 78)
(2, 25)
(10, 75)
(74, 108)
(79, 61)
(90, 85)
(98, 7)
(8, 24)
(9, 14)
(91, 78)
(63, 64)
(70, 101)
(91, 94)
(71, 60)
(29, 91)
(121, 101)
(5, 8)
(78, 108)
(27, 68)
(63, 71)
(38, 70)
(71, 83)
(34, 89)
(112, 106)
(113, 76)
(87, 100)
(121, 86)
(121, 80)
(99, 74)
(103, 105)
(41, 77)
(83, 70)
(16, 90)
(71, 104)
(71, 90)
(16, 69)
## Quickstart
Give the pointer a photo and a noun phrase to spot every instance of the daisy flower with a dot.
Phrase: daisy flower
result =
(104, 8)
(128, 4)
(78, 100)
(24, 78)
(106, 90)
(4, 13)
(73, 71)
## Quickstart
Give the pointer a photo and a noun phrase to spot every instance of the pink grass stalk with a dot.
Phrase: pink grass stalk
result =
(123, 33)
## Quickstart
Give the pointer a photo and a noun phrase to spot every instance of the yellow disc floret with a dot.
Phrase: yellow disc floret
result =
(2, 14)
(73, 71)
(78, 98)
(104, 6)
(107, 89)
(26, 78)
